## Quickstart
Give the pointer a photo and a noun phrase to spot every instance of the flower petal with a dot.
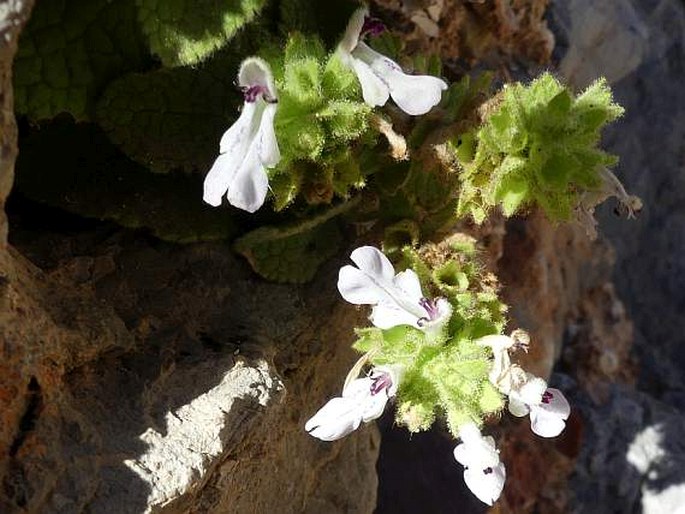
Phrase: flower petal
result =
(250, 184)
(353, 30)
(476, 451)
(531, 392)
(373, 262)
(408, 282)
(374, 90)
(358, 288)
(445, 309)
(517, 407)
(548, 419)
(546, 424)
(237, 139)
(557, 403)
(374, 406)
(338, 418)
(233, 147)
(386, 315)
(256, 72)
(369, 283)
(358, 389)
(486, 484)
(219, 178)
(414, 94)
(269, 153)
(498, 343)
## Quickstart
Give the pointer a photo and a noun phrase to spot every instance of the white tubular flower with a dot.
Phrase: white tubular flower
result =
(397, 298)
(249, 146)
(548, 408)
(484, 473)
(504, 375)
(363, 399)
(381, 77)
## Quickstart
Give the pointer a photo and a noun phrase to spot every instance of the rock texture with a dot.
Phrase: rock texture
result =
(631, 459)
(167, 378)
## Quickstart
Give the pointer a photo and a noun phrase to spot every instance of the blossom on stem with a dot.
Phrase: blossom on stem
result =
(249, 146)
(363, 399)
(528, 394)
(397, 299)
(548, 408)
(484, 473)
(381, 77)
(504, 375)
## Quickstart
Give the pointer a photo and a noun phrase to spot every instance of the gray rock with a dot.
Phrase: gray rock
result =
(650, 141)
(632, 457)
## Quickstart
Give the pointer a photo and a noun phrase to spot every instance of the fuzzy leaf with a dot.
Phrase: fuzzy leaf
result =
(327, 19)
(75, 167)
(176, 120)
(538, 145)
(183, 32)
(293, 252)
(70, 50)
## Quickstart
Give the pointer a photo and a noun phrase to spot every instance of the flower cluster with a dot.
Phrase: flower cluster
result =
(249, 147)
(398, 300)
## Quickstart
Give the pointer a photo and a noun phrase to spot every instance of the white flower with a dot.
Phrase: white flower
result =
(381, 77)
(500, 345)
(528, 394)
(484, 473)
(548, 408)
(397, 299)
(504, 375)
(363, 399)
(249, 145)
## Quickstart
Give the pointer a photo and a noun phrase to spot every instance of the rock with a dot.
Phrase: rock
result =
(170, 380)
(633, 455)
(13, 16)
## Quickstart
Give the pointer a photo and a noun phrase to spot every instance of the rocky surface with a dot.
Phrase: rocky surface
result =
(167, 378)
(632, 456)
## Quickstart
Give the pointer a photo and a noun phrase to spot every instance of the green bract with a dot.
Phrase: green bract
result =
(445, 374)
(319, 123)
(537, 146)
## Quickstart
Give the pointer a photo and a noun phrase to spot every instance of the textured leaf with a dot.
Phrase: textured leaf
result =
(176, 118)
(321, 124)
(293, 252)
(70, 50)
(75, 167)
(327, 19)
(183, 32)
(537, 146)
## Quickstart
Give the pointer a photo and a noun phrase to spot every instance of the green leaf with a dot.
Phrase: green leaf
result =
(183, 32)
(170, 119)
(538, 145)
(74, 167)
(326, 19)
(70, 50)
(293, 252)
(368, 339)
